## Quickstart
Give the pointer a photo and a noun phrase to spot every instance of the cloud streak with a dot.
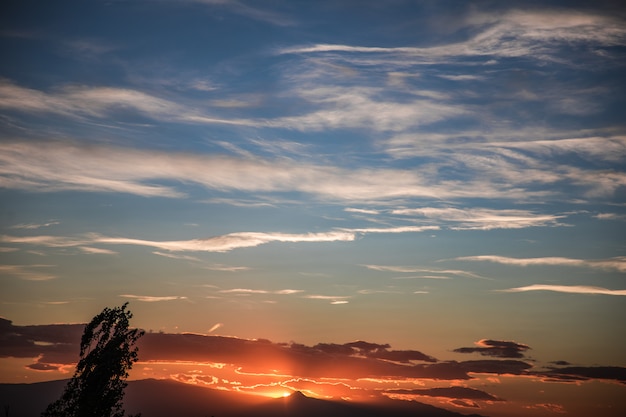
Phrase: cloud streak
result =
(27, 272)
(79, 102)
(47, 167)
(230, 241)
(514, 33)
(617, 264)
(223, 243)
(482, 219)
(440, 273)
(33, 226)
(152, 299)
(253, 291)
(569, 289)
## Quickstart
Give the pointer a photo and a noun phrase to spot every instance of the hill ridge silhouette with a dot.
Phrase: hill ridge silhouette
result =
(166, 398)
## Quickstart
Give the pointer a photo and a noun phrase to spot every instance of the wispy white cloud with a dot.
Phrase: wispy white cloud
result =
(27, 272)
(406, 277)
(253, 291)
(482, 218)
(341, 299)
(222, 243)
(461, 77)
(32, 226)
(93, 101)
(365, 107)
(78, 100)
(369, 292)
(49, 241)
(215, 327)
(593, 148)
(525, 163)
(512, 34)
(618, 263)
(65, 166)
(398, 229)
(498, 140)
(571, 289)
(97, 251)
(152, 299)
(57, 166)
(522, 164)
(610, 216)
(551, 26)
(239, 202)
(177, 256)
(288, 292)
(361, 211)
(394, 268)
(230, 241)
(439, 273)
(226, 268)
(244, 291)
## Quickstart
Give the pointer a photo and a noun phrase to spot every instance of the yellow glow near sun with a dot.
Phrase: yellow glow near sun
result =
(286, 394)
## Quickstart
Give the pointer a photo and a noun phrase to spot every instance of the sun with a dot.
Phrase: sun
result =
(286, 394)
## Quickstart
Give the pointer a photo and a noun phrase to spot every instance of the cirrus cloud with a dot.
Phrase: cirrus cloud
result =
(618, 263)
(569, 289)
(482, 219)
(153, 299)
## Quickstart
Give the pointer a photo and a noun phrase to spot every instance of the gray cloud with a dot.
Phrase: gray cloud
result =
(578, 373)
(496, 348)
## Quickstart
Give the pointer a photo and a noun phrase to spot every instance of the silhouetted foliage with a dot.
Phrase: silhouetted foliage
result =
(107, 353)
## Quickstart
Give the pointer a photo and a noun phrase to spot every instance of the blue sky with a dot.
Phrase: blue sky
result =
(425, 174)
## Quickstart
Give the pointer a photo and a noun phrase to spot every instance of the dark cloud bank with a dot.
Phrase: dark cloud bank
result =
(58, 344)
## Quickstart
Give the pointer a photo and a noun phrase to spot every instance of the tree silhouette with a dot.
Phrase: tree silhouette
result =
(107, 353)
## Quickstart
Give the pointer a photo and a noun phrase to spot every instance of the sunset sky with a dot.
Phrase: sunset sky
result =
(340, 180)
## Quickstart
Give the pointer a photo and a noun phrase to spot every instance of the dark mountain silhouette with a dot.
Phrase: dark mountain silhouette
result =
(29, 400)
(166, 398)
(300, 405)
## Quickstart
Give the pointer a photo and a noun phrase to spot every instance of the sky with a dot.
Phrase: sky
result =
(323, 179)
